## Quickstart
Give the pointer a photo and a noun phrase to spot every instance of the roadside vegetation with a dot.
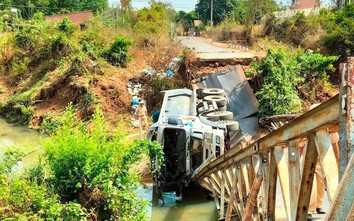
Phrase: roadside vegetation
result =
(301, 51)
(71, 85)
(44, 66)
(291, 80)
(86, 175)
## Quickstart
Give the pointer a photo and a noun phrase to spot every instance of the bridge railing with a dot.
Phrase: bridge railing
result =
(247, 180)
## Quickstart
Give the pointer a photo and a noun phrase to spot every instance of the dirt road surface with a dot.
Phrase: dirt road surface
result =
(207, 50)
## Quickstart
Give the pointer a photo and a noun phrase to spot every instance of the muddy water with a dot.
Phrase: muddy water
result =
(195, 206)
(20, 137)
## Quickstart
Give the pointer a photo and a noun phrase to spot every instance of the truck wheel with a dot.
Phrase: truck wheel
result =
(213, 91)
(220, 100)
(222, 108)
(231, 125)
(222, 115)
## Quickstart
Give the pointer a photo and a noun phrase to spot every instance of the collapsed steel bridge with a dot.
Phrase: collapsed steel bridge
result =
(243, 181)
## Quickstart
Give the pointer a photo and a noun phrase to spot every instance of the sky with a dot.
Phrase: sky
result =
(181, 5)
(178, 5)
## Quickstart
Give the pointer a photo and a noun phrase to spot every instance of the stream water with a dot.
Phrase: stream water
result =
(195, 206)
(22, 138)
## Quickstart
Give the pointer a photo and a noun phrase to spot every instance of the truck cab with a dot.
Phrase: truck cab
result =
(188, 138)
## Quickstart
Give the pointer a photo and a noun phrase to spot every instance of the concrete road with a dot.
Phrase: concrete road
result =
(207, 50)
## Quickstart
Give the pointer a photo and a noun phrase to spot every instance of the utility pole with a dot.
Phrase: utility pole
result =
(211, 12)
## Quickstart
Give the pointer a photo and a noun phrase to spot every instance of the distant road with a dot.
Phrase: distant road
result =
(207, 50)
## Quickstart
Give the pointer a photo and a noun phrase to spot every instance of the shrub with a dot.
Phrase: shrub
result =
(49, 124)
(8, 160)
(278, 93)
(91, 167)
(340, 35)
(287, 76)
(164, 83)
(117, 54)
(22, 199)
(66, 26)
(17, 109)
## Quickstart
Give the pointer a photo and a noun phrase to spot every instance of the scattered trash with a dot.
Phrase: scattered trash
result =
(135, 104)
(170, 73)
(134, 89)
(149, 71)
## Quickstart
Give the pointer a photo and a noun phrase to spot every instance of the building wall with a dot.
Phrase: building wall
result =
(76, 17)
(304, 4)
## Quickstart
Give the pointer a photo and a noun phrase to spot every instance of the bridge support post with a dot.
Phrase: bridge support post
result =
(281, 158)
(346, 114)
(343, 208)
(252, 200)
(344, 197)
(272, 188)
(328, 161)
(233, 196)
(294, 176)
(307, 179)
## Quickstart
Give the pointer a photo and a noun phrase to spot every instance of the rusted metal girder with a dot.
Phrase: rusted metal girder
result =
(320, 116)
(316, 119)
(271, 187)
(307, 179)
(344, 198)
(252, 200)
(346, 116)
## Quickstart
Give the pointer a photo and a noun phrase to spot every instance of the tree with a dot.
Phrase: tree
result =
(30, 7)
(186, 19)
(221, 9)
(152, 20)
(240, 13)
(259, 8)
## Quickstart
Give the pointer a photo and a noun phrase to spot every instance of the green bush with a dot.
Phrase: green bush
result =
(22, 199)
(278, 93)
(287, 76)
(340, 32)
(18, 109)
(66, 26)
(164, 83)
(90, 165)
(117, 54)
(8, 160)
(49, 124)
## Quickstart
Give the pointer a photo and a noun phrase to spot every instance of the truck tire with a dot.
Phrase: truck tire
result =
(231, 125)
(220, 100)
(213, 91)
(221, 115)
(222, 108)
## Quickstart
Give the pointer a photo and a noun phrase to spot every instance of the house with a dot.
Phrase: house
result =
(76, 17)
(304, 4)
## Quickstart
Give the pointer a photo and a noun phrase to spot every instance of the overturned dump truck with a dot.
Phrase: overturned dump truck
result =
(193, 128)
